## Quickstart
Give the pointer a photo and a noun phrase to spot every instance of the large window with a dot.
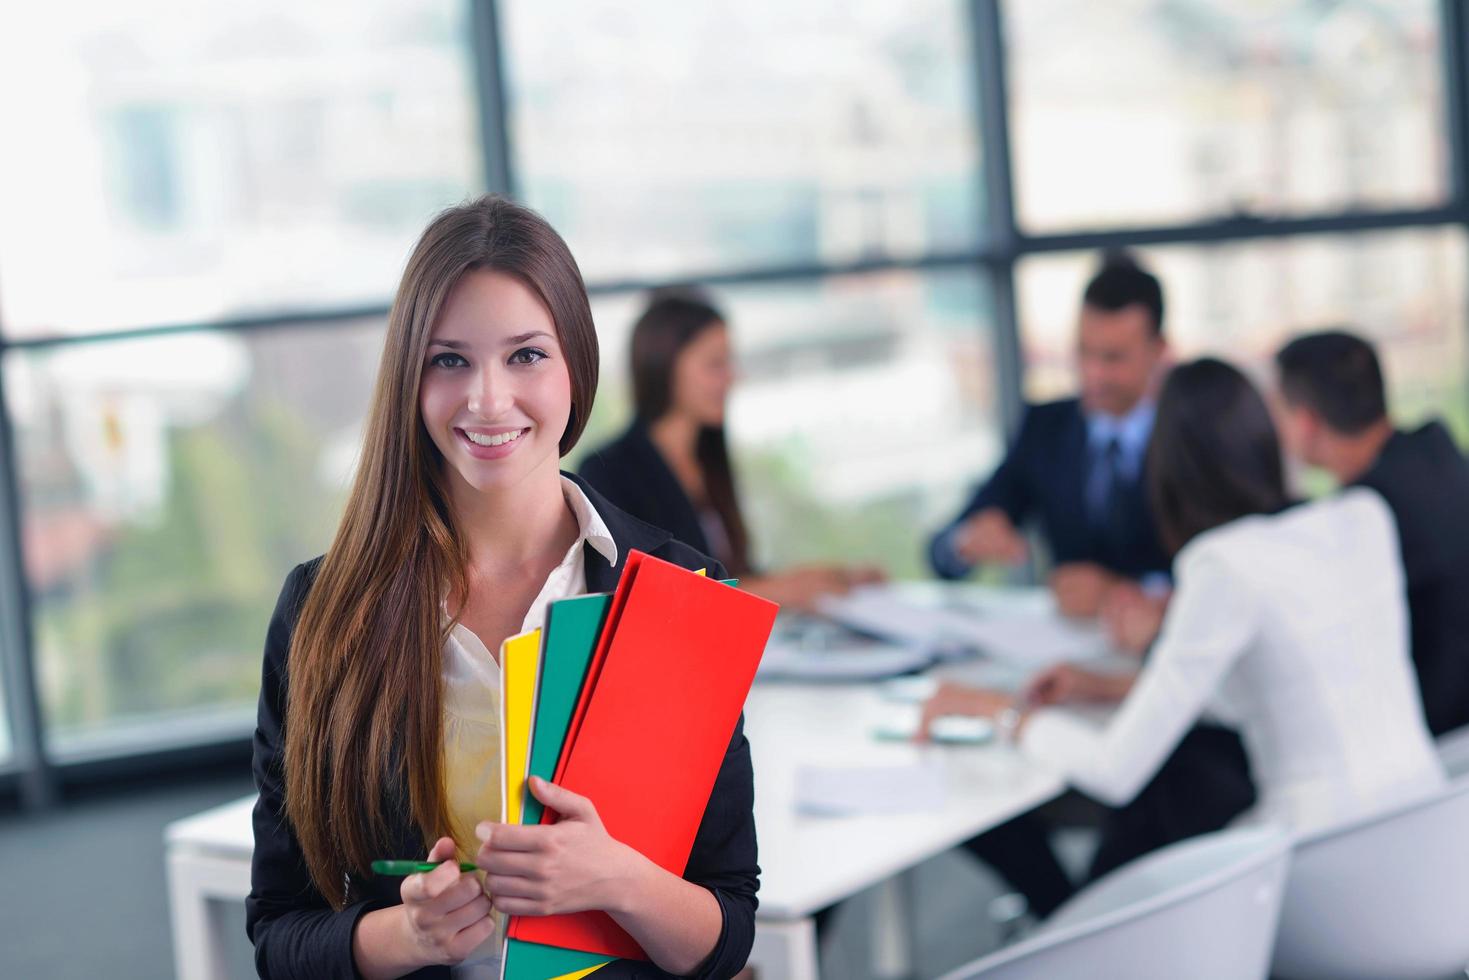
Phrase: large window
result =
(171, 161)
(1146, 112)
(168, 483)
(235, 188)
(671, 138)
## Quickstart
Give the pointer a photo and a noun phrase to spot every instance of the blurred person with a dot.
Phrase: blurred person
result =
(1076, 465)
(380, 684)
(1333, 409)
(1288, 619)
(672, 467)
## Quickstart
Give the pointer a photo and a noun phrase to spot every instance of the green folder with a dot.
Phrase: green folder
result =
(572, 628)
(532, 961)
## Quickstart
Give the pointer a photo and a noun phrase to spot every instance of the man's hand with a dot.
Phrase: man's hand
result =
(988, 536)
(1081, 588)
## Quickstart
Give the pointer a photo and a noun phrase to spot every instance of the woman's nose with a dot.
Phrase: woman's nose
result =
(489, 395)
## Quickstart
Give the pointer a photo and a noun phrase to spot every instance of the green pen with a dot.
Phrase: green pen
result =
(413, 867)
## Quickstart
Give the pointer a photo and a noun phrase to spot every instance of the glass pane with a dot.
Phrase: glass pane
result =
(5, 742)
(174, 162)
(669, 137)
(1405, 289)
(865, 408)
(169, 484)
(1160, 111)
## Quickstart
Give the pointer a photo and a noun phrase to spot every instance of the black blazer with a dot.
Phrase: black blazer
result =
(296, 932)
(632, 473)
(1043, 476)
(1425, 480)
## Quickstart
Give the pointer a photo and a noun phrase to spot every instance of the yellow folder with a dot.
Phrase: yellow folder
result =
(520, 661)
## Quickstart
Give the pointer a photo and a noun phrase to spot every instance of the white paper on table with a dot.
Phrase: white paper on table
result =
(1036, 639)
(880, 611)
(1024, 636)
(858, 660)
(851, 791)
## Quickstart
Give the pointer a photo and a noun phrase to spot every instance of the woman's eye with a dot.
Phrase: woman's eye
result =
(448, 361)
(527, 355)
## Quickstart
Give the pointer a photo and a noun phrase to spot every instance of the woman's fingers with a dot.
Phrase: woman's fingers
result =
(468, 939)
(521, 906)
(469, 913)
(497, 862)
(563, 800)
(429, 885)
(511, 837)
(513, 886)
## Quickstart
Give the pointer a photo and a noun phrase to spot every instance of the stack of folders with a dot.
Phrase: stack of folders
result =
(630, 700)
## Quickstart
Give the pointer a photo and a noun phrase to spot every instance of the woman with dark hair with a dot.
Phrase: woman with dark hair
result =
(671, 468)
(378, 729)
(1287, 622)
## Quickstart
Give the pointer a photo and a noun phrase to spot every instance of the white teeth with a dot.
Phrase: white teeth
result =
(495, 440)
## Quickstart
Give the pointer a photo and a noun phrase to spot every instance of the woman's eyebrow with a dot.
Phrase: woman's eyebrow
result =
(521, 338)
(451, 344)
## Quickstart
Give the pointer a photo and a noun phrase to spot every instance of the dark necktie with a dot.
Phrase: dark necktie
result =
(1104, 497)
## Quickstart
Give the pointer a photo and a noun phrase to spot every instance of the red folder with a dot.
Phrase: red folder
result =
(594, 667)
(662, 698)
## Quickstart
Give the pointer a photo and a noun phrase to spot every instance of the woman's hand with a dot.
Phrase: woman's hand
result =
(574, 865)
(444, 917)
(959, 699)
(548, 869)
(1067, 684)
(445, 911)
(1133, 618)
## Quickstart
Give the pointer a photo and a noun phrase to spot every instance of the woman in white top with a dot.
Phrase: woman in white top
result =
(1287, 622)
(378, 734)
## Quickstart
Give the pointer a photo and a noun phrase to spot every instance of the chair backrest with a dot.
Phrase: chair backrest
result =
(1453, 750)
(1204, 908)
(1382, 898)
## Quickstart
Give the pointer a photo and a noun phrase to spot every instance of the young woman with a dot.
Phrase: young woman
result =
(672, 468)
(1289, 622)
(377, 727)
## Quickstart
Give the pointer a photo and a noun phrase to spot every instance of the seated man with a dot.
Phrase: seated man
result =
(1076, 465)
(1334, 416)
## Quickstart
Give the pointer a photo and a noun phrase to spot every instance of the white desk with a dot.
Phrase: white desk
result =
(810, 862)
(208, 859)
(807, 862)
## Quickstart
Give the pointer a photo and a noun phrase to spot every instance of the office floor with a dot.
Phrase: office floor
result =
(84, 893)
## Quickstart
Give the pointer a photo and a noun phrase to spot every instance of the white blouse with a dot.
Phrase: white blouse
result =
(1294, 629)
(472, 707)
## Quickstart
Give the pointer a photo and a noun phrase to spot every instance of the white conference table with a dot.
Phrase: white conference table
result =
(807, 862)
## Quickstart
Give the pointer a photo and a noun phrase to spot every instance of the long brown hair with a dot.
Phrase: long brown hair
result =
(363, 718)
(671, 322)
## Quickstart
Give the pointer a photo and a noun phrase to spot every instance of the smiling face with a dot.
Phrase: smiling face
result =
(495, 395)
